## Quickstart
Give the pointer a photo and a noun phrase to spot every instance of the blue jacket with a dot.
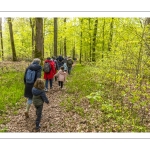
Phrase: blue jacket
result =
(39, 97)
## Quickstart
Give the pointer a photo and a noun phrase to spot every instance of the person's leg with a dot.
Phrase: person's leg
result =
(51, 83)
(46, 85)
(39, 115)
(69, 70)
(28, 105)
(61, 84)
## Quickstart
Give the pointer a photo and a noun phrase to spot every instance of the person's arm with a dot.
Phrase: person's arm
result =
(39, 73)
(25, 76)
(44, 98)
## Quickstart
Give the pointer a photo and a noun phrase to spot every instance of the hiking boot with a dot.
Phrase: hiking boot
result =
(46, 90)
(26, 114)
(37, 128)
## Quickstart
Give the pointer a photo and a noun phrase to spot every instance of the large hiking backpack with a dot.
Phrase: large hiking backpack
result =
(47, 67)
(30, 76)
(69, 62)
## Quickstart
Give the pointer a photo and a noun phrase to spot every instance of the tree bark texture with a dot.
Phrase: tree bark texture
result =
(1, 37)
(12, 39)
(39, 39)
(55, 36)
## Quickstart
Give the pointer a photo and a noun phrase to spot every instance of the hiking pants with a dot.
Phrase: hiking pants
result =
(39, 114)
(50, 81)
(69, 70)
(60, 83)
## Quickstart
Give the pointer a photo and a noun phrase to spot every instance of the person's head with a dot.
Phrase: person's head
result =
(48, 58)
(36, 61)
(62, 68)
(39, 84)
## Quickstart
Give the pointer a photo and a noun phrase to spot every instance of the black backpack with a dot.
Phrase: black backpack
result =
(47, 67)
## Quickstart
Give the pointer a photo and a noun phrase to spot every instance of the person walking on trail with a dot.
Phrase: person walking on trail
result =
(39, 97)
(56, 65)
(60, 60)
(65, 65)
(69, 64)
(32, 72)
(48, 76)
(61, 74)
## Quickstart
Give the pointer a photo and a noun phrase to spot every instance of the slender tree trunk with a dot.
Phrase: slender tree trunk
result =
(32, 25)
(39, 39)
(90, 40)
(1, 37)
(12, 39)
(111, 35)
(147, 37)
(139, 60)
(94, 39)
(103, 44)
(65, 49)
(80, 59)
(55, 36)
(73, 52)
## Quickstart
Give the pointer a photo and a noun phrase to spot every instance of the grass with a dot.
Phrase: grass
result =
(12, 90)
(104, 91)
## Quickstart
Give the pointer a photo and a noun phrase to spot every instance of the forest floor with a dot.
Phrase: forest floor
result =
(54, 117)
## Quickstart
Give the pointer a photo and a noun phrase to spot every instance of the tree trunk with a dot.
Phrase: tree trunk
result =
(111, 35)
(65, 51)
(1, 37)
(80, 59)
(32, 25)
(55, 36)
(94, 39)
(103, 44)
(90, 39)
(39, 39)
(12, 39)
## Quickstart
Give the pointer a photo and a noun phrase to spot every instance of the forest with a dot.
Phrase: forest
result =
(109, 88)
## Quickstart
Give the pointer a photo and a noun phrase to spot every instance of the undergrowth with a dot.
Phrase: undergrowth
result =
(122, 105)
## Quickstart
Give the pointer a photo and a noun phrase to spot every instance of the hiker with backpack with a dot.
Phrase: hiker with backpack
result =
(49, 72)
(32, 72)
(69, 64)
(56, 66)
(61, 74)
(60, 60)
(65, 65)
(39, 97)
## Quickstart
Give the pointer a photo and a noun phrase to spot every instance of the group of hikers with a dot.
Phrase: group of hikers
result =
(36, 86)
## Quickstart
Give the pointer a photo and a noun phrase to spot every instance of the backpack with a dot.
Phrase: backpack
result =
(30, 76)
(47, 67)
(69, 62)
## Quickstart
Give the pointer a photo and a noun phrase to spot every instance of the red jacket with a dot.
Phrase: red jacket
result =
(51, 74)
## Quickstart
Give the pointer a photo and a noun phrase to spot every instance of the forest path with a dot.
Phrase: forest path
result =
(54, 118)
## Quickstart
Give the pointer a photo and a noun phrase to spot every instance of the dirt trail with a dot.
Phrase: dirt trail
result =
(54, 118)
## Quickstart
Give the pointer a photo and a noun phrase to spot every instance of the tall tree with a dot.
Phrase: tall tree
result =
(90, 38)
(32, 25)
(1, 39)
(39, 48)
(12, 39)
(103, 37)
(81, 34)
(94, 39)
(111, 34)
(65, 49)
(55, 36)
